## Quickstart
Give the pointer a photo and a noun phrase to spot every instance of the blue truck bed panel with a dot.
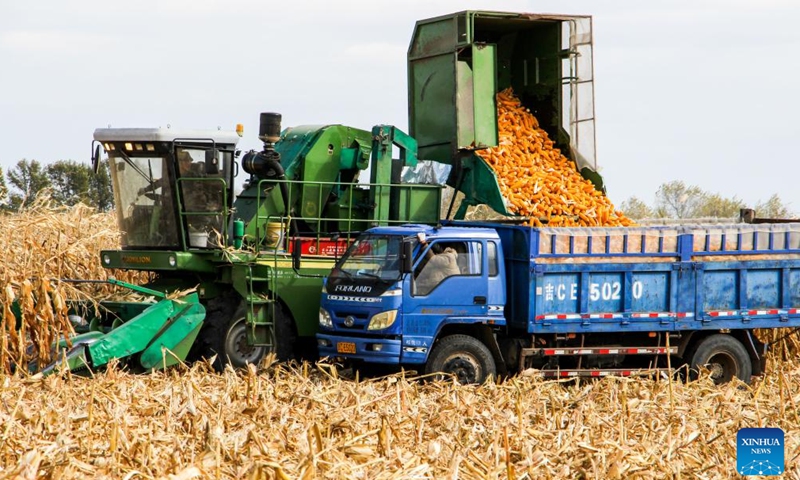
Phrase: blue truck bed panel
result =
(582, 280)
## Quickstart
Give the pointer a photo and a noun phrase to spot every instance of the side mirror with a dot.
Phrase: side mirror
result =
(212, 162)
(407, 257)
(96, 159)
(297, 247)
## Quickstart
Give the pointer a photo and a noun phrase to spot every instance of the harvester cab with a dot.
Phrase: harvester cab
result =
(172, 189)
(546, 59)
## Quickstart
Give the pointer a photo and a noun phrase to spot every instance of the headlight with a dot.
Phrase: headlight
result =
(106, 259)
(382, 320)
(172, 261)
(325, 319)
(324, 290)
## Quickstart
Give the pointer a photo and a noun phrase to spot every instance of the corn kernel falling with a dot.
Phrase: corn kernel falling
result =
(537, 180)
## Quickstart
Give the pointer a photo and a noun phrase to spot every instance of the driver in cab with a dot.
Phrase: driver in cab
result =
(187, 167)
(440, 264)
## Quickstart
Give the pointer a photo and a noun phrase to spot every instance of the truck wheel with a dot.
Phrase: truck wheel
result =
(463, 356)
(725, 356)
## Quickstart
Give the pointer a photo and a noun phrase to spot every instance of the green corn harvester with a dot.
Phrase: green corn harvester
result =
(311, 189)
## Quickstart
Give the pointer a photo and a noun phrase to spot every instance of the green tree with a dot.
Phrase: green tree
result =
(3, 191)
(27, 179)
(101, 195)
(774, 207)
(715, 205)
(636, 209)
(69, 181)
(74, 182)
(677, 200)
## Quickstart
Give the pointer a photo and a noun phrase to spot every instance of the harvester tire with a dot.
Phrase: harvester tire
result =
(464, 357)
(224, 334)
(235, 350)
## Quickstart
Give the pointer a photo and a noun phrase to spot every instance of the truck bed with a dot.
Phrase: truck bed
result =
(583, 280)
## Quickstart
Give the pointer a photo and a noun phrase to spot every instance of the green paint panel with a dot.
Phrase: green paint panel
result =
(159, 260)
(434, 37)
(432, 87)
(484, 65)
(479, 183)
(177, 337)
(140, 332)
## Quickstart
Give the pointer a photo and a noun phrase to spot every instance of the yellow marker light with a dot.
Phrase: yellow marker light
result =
(129, 146)
(151, 147)
(138, 147)
(239, 129)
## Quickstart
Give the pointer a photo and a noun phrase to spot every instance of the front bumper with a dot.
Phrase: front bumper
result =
(373, 350)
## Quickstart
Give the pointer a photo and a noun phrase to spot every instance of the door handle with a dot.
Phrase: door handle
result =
(480, 300)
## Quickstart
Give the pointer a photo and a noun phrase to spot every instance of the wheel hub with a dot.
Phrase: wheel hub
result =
(237, 346)
(465, 369)
(242, 347)
(722, 368)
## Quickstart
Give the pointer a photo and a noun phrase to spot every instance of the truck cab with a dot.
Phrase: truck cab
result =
(397, 289)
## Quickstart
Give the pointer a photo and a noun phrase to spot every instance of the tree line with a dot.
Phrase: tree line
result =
(69, 182)
(66, 181)
(677, 200)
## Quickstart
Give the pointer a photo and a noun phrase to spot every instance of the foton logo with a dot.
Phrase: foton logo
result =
(353, 288)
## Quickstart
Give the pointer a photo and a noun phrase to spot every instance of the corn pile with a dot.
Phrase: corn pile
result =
(40, 246)
(304, 423)
(537, 180)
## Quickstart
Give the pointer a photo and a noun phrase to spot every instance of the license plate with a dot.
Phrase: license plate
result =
(346, 347)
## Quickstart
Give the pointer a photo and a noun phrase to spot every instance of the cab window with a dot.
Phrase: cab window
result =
(443, 260)
(491, 250)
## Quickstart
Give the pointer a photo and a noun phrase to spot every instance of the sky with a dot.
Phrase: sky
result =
(702, 91)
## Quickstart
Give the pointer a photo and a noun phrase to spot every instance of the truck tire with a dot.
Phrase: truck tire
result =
(463, 356)
(725, 356)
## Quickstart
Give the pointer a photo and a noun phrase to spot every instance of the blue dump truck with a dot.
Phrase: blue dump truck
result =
(477, 299)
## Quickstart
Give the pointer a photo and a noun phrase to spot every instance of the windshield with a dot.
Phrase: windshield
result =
(143, 199)
(375, 257)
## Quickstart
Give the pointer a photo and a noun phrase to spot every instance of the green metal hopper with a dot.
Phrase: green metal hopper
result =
(456, 65)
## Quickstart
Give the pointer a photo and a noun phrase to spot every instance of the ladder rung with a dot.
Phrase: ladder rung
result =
(257, 279)
(262, 324)
(255, 300)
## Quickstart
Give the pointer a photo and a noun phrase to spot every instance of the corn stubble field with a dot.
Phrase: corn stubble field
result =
(304, 421)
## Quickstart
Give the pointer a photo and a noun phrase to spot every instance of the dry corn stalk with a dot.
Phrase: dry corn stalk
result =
(40, 246)
(537, 180)
(287, 422)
